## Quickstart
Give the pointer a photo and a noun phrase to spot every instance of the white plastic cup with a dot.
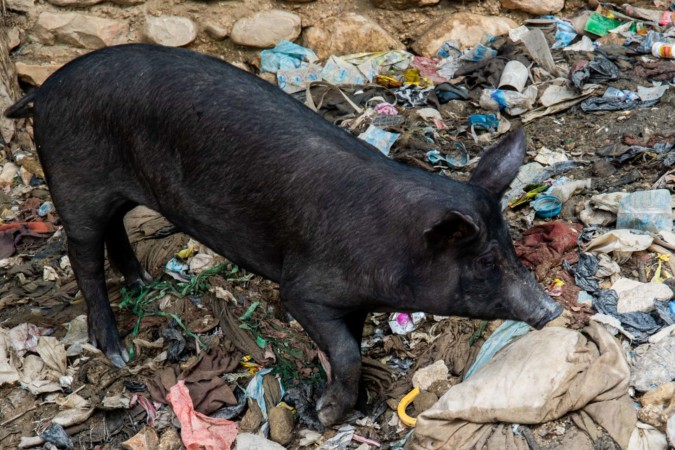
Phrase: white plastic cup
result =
(514, 76)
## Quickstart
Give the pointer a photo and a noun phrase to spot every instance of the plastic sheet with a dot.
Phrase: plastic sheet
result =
(640, 325)
(655, 366)
(646, 211)
(382, 140)
(507, 332)
(285, 56)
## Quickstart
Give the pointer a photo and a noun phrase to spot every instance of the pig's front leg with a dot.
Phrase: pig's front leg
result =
(338, 334)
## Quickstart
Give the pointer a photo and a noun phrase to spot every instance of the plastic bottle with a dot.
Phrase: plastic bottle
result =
(663, 50)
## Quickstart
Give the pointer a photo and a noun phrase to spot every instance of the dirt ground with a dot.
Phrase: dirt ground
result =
(27, 295)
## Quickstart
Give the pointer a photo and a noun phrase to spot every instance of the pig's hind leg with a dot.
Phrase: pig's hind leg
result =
(120, 253)
(338, 334)
(85, 226)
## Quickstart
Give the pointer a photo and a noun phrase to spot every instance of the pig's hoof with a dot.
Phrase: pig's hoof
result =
(117, 361)
(117, 355)
(330, 409)
(146, 278)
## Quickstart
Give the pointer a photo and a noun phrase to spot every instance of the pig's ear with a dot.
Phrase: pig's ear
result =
(499, 165)
(454, 228)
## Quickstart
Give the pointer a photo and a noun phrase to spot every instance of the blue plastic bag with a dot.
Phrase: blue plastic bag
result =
(285, 56)
(564, 34)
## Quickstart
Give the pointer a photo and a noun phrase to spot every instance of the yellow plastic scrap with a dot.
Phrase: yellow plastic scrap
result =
(412, 76)
(405, 401)
(660, 274)
(186, 252)
(251, 366)
(288, 407)
(388, 82)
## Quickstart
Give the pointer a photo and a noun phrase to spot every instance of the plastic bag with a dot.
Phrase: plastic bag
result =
(646, 211)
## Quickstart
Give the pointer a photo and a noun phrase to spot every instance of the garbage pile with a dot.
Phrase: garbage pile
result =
(218, 363)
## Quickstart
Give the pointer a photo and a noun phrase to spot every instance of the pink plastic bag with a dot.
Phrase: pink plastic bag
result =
(200, 432)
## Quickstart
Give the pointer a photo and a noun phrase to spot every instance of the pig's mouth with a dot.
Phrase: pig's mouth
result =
(557, 310)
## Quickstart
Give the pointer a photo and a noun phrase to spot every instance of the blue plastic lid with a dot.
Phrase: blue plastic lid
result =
(547, 206)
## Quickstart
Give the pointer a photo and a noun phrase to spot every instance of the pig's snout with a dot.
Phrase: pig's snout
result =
(550, 310)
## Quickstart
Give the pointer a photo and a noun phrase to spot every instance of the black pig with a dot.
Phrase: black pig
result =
(255, 175)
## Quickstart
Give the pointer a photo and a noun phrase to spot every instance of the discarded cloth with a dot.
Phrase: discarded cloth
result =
(538, 378)
(207, 390)
(545, 246)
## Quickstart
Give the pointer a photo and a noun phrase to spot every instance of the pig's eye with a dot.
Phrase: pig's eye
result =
(486, 262)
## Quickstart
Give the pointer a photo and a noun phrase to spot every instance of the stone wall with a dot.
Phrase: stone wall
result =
(45, 34)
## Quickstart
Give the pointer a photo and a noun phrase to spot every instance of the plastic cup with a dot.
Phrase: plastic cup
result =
(514, 76)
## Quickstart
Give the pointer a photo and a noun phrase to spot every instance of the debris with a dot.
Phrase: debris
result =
(405, 401)
(595, 382)
(654, 365)
(547, 206)
(427, 376)
(639, 297)
(286, 56)
(404, 323)
(507, 332)
(281, 424)
(246, 441)
(146, 439)
(197, 430)
(57, 436)
(645, 210)
(341, 439)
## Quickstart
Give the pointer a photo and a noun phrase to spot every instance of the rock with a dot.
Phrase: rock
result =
(424, 401)
(538, 7)
(75, 3)
(170, 440)
(663, 396)
(127, 2)
(269, 77)
(23, 6)
(654, 416)
(611, 39)
(248, 441)
(466, 28)
(426, 376)
(670, 430)
(281, 424)
(171, 31)
(146, 439)
(348, 33)
(252, 419)
(80, 30)
(13, 38)
(35, 74)
(603, 168)
(403, 4)
(216, 31)
(266, 28)
(639, 297)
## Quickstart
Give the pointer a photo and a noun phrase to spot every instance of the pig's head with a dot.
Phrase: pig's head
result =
(473, 265)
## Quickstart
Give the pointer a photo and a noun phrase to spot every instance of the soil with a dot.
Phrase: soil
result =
(25, 297)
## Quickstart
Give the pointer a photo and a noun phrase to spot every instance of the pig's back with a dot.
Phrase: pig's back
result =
(223, 154)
